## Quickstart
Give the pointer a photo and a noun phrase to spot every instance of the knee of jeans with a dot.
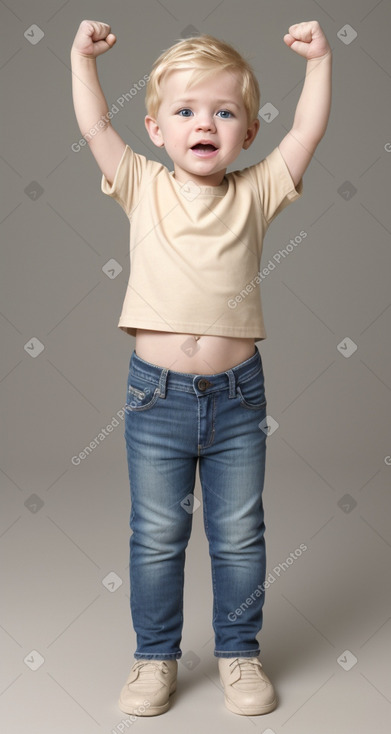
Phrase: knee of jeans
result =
(239, 537)
(162, 534)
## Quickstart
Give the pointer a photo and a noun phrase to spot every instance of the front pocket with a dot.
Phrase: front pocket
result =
(140, 396)
(252, 392)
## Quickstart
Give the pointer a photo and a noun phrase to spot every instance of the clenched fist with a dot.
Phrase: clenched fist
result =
(93, 38)
(307, 39)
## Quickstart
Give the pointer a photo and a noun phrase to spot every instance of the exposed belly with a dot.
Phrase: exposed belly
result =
(206, 355)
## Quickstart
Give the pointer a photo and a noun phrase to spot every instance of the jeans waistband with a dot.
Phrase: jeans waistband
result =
(201, 384)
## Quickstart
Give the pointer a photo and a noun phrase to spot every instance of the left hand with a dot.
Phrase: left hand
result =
(307, 39)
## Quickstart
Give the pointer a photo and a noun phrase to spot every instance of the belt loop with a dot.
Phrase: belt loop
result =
(232, 383)
(163, 382)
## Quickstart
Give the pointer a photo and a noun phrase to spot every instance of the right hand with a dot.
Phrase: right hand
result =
(93, 38)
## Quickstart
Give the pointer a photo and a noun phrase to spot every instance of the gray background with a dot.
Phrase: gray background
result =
(64, 527)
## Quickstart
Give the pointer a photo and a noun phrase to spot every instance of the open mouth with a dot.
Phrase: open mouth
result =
(207, 147)
(204, 150)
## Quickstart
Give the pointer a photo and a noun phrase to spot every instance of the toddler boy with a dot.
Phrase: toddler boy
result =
(203, 126)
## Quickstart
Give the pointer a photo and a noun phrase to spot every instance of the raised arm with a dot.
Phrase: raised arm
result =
(92, 39)
(313, 108)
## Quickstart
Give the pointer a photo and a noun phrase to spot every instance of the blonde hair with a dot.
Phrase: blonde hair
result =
(206, 55)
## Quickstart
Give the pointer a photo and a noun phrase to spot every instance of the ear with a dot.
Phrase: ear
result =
(251, 134)
(154, 131)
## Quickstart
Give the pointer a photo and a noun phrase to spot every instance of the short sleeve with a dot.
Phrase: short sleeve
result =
(133, 172)
(274, 183)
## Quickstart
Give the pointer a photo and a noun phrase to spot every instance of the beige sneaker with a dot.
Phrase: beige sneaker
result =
(148, 687)
(248, 691)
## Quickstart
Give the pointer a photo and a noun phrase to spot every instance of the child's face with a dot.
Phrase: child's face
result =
(213, 111)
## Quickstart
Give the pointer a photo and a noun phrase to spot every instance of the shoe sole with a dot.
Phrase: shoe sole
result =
(151, 710)
(249, 710)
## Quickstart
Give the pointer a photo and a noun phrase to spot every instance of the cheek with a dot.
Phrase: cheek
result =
(233, 132)
(235, 138)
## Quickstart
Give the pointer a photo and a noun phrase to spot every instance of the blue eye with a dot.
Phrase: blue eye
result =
(226, 113)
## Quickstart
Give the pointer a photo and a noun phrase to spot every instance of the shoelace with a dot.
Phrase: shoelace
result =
(248, 667)
(150, 667)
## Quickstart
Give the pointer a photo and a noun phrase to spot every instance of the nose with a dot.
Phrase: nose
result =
(205, 121)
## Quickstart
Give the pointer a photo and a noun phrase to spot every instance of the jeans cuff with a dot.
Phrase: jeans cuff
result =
(237, 654)
(158, 656)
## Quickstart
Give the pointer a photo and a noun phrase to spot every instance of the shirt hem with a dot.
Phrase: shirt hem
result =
(201, 329)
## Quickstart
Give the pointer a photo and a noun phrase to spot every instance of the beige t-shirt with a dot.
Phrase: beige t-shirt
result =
(195, 249)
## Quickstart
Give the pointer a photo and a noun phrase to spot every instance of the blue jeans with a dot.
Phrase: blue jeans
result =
(173, 419)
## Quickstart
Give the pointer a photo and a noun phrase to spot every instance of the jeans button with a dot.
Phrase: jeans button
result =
(203, 384)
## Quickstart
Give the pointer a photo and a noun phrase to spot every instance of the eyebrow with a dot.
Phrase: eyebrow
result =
(189, 100)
